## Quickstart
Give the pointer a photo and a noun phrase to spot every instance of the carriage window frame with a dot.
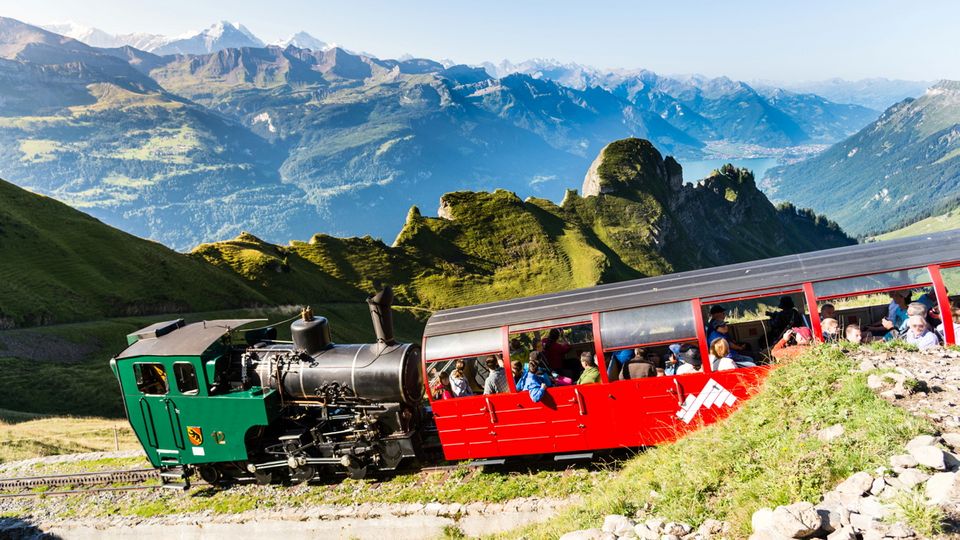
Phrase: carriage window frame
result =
(178, 370)
(478, 365)
(677, 335)
(463, 344)
(832, 289)
(141, 382)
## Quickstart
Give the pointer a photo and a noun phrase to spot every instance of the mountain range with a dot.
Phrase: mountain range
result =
(899, 169)
(634, 216)
(185, 148)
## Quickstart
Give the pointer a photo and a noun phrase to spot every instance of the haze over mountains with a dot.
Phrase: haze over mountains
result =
(228, 135)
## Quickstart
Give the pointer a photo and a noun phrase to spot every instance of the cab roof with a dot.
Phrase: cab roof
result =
(180, 340)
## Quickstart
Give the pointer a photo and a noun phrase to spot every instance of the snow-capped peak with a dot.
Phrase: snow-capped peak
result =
(303, 40)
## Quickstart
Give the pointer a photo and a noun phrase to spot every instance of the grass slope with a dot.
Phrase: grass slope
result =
(943, 222)
(765, 454)
(59, 265)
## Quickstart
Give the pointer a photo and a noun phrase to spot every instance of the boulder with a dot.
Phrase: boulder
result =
(712, 527)
(912, 477)
(767, 534)
(798, 520)
(921, 440)
(677, 529)
(951, 461)
(940, 486)
(929, 456)
(645, 533)
(903, 461)
(867, 365)
(843, 533)
(858, 484)
(952, 440)
(873, 508)
(877, 531)
(585, 534)
(617, 522)
(878, 486)
(861, 522)
(830, 433)
(655, 524)
(762, 520)
(875, 382)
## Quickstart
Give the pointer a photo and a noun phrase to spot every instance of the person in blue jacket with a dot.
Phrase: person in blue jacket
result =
(537, 378)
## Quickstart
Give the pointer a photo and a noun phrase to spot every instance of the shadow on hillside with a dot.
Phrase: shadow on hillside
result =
(18, 529)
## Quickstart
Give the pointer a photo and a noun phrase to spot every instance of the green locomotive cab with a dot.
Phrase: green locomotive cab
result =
(173, 378)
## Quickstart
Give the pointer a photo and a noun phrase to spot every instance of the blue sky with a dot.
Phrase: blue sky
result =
(746, 40)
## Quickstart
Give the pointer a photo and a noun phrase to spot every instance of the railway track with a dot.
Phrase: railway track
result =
(99, 481)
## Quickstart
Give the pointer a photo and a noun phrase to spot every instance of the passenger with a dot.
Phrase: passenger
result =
(722, 357)
(672, 361)
(830, 329)
(854, 334)
(517, 370)
(919, 334)
(555, 348)
(722, 332)
(536, 381)
(793, 342)
(517, 350)
(459, 382)
(913, 309)
(590, 374)
(955, 315)
(441, 387)
(718, 314)
(617, 364)
(929, 299)
(496, 381)
(691, 362)
(896, 315)
(787, 317)
(641, 366)
(828, 312)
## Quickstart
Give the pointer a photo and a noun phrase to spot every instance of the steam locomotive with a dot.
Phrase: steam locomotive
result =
(199, 402)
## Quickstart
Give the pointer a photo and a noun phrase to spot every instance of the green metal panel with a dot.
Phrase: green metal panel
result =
(191, 428)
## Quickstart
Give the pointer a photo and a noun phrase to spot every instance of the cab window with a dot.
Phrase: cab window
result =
(186, 377)
(151, 378)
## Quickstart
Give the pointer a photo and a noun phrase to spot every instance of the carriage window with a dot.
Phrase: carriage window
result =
(562, 347)
(751, 326)
(874, 282)
(653, 361)
(464, 377)
(463, 344)
(651, 324)
(875, 316)
(151, 378)
(186, 377)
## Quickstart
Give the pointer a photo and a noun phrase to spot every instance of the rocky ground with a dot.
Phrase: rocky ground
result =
(921, 485)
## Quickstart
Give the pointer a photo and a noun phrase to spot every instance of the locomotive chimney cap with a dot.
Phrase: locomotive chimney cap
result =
(307, 314)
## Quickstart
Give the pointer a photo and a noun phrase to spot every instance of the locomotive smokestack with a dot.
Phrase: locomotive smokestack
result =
(382, 317)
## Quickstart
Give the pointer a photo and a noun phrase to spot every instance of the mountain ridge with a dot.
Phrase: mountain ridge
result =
(898, 170)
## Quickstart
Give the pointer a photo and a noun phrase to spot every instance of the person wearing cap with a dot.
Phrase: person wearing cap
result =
(718, 314)
(722, 331)
(793, 342)
(690, 362)
(672, 360)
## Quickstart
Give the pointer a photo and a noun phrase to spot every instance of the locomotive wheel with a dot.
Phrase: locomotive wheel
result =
(211, 475)
(263, 477)
(302, 474)
(357, 471)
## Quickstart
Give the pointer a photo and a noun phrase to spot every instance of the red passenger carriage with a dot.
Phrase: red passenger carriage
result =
(654, 313)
